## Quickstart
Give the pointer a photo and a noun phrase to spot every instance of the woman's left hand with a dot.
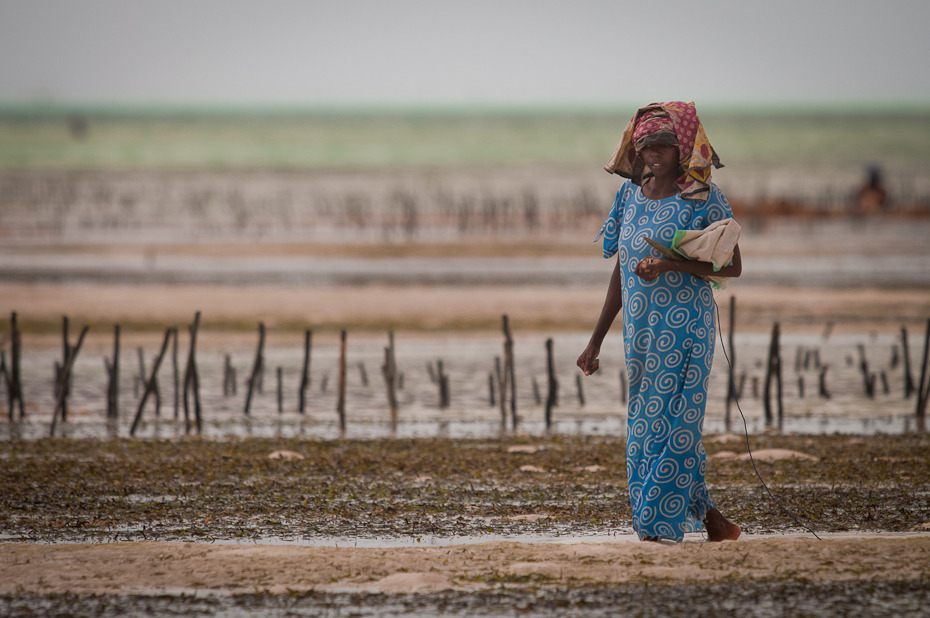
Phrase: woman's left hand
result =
(650, 267)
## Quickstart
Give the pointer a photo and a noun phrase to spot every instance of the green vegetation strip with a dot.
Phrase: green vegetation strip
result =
(137, 139)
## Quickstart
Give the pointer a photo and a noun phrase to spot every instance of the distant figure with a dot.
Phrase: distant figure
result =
(77, 125)
(872, 197)
(668, 314)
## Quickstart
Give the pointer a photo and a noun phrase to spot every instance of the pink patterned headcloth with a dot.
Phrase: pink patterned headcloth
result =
(660, 121)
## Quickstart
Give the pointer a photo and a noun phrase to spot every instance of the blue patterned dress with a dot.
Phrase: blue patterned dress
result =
(668, 334)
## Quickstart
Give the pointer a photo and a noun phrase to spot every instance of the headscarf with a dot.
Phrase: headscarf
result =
(675, 123)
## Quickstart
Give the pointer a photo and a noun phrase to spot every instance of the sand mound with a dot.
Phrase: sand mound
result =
(767, 455)
(777, 454)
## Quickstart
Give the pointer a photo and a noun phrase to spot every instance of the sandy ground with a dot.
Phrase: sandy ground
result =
(146, 568)
(151, 307)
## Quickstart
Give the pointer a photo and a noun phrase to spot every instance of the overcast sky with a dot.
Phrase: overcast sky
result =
(427, 52)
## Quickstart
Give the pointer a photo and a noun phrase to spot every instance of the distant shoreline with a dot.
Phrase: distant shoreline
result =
(619, 108)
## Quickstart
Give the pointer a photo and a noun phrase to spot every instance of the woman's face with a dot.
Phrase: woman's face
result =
(661, 160)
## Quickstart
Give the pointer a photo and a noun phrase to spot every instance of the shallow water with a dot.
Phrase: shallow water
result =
(469, 360)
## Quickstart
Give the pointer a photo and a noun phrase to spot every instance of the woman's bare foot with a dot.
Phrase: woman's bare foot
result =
(719, 528)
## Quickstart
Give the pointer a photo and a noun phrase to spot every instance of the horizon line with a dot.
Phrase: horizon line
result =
(349, 108)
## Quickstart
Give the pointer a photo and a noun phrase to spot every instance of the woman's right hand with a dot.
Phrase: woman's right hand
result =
(612, 304)
(588, 361)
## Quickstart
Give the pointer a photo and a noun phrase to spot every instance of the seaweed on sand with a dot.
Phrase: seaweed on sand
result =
(74, 490)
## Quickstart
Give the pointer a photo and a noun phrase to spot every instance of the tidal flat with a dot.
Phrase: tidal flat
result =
(495, 527)
(204, 490)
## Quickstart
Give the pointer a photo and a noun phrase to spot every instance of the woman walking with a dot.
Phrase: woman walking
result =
(668, 313)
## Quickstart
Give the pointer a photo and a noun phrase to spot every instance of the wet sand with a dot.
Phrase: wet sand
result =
(188, 568)
(317, 550)
(855, 276)
(428, 308)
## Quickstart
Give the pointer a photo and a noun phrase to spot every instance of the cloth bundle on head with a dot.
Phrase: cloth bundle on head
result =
(673, 124)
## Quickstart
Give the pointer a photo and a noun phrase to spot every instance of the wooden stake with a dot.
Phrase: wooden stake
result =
(552, 396)
(868, 380)
(66, 352)
(192, 379)
(152, 384)
(906, 357)
(773, 374)
(731, 378)
(66, 374)
(227, 375)
(280, 379)
(175, 374)
(510, 371)
(443, 386)
(304, 374)
(256, 367)
(431, 372)
(822, 381)
(5, 378)
(389, 382)
(341, 402)
(780, 383)
(923, 390)
(500, 373)
(140, 355)
(157, 391)
(15, 386)
(113, 380)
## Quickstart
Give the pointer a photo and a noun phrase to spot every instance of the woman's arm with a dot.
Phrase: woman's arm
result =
(649, 268)
(588, 361)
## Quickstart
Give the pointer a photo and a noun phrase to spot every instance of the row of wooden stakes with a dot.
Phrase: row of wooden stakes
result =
(502, 381)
